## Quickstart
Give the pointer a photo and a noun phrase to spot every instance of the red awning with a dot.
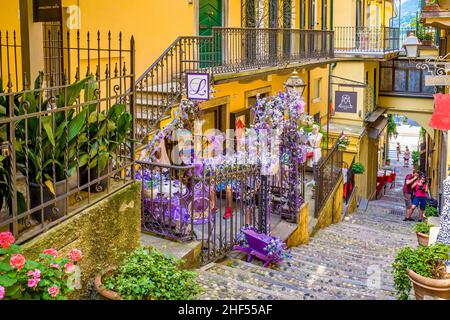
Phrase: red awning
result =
(440, 120)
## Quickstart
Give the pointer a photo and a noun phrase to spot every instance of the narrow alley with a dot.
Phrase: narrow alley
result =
(349, 260)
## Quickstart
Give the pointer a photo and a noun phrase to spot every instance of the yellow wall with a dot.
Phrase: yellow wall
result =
(418, 109)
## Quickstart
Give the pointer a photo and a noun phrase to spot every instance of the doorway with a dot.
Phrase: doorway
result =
(210, 16)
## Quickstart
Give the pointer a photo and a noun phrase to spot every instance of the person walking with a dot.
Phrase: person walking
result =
(406, 157)
(399, 151)
(421, 197)
(410, 181)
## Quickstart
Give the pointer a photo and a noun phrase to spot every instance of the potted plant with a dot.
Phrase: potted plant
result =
(107, 131)
(343, 142)
(423, 233)
(52, 277)
(431, 211)
(147, 274)
(425, 269)
(358, 168)
(46, 145)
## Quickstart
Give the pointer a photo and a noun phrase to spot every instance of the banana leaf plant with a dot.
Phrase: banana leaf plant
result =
(48, 146)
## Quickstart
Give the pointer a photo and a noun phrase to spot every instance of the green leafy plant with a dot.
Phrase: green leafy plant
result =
(431, 211)
(391, 126)
(147, 274)
(358, 168)
(415, 156)
(51, 277)
(46, 147)
(423, 227)
(426, 261)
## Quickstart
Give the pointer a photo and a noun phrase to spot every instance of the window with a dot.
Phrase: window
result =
(302, 14)
(402, 77)
(317, 89)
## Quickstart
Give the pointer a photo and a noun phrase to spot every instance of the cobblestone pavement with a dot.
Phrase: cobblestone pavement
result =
(350, 260)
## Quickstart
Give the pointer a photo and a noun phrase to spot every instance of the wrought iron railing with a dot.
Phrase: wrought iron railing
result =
(66, 146)
(366, 39)
(428, 36)
(10, 61)
(326, 175)
(227, 50)
(240, 49)
(349, 183)
(211, 207)
(161, 86)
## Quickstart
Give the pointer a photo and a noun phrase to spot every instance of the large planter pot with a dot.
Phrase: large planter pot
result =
(93, 175)
(429, 287)
(58, 209)
(423, 239)
(105, 293)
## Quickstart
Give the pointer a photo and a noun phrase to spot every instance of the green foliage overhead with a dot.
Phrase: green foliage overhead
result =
(147, 274)
(415, 155)
(426, 261)
(391, 126)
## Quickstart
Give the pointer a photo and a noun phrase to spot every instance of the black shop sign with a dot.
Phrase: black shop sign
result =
(47, 10)
(346, 101)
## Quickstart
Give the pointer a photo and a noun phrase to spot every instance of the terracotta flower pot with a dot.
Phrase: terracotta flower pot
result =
(105, 293)
(423, 239)
(438, 288)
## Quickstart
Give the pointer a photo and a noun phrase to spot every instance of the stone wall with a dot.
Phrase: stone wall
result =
(104, 232)
(332, 211)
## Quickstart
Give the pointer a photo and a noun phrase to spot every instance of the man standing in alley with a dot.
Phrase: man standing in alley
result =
(410, 181)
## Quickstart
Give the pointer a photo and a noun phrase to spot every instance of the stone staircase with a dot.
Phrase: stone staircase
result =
(347, 261)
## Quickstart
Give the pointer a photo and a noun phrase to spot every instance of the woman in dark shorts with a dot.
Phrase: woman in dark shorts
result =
(421, 197)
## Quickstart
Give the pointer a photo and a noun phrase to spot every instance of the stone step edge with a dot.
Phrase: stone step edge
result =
(239, 284)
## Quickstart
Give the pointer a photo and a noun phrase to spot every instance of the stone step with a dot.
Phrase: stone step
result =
(338, 243)
(363, 253)
(341, 271)
(319, 285)
(216, 287)
(273, 284)
(402, 228)
(351, 253)
(364, 232)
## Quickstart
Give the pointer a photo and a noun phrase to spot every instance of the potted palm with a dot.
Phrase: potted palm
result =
(423, 268)
(46, 145)
(108, 130)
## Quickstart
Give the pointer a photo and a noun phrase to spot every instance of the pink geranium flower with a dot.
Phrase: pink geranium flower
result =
(55, 265)
(70, 267)
(53, 291)
(2, 292)
(33, 283)
(6, 240)
(52, 252)
(75, 255)
(17, 261)
(36, 274)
